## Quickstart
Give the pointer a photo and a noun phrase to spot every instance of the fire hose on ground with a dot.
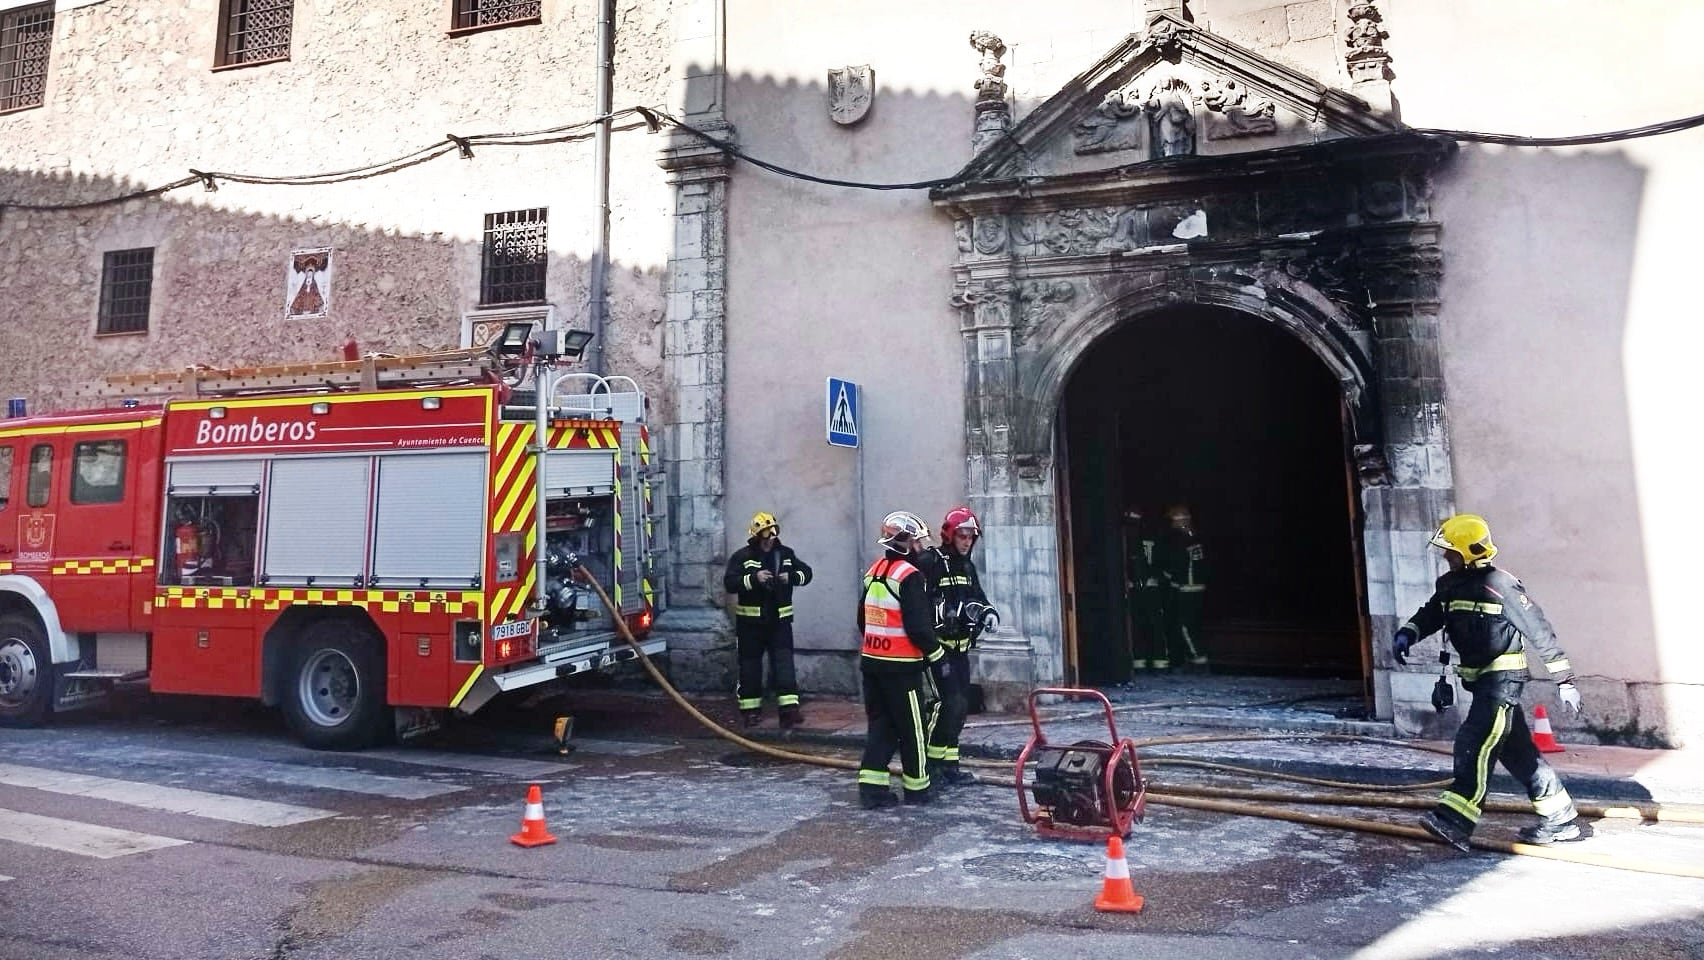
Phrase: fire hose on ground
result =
(1226, 800)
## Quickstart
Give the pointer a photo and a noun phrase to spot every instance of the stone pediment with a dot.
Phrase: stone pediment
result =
(1174, 90)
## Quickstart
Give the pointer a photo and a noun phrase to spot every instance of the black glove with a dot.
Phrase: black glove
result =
(1399, 644)
(944, 668)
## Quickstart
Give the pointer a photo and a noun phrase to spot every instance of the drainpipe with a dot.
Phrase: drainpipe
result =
(600, 180)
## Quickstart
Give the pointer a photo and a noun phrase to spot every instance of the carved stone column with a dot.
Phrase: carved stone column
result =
(993, 113)
(696, 625)
(1413, 488)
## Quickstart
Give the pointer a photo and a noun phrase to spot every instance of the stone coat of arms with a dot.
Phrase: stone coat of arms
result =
(851, 90)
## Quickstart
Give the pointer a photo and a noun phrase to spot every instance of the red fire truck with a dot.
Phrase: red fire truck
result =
(358, 543)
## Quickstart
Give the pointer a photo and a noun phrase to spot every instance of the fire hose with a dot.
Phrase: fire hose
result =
(1220, 800)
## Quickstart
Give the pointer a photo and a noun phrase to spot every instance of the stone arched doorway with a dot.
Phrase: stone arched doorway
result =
(1353, 276)
(1236, 418)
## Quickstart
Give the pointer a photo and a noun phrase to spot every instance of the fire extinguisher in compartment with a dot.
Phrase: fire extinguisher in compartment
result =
(187, 547)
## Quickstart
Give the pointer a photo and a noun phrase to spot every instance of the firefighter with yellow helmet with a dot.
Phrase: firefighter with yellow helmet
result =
(1491, 622)
(762, 575)
(896, 618)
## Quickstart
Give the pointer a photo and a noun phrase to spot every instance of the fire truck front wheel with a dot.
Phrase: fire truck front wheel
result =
(26, 672)
(335, 693)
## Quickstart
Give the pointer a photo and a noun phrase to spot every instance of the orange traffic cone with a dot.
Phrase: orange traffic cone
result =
(1117, 895)
(1542, 738)
(533, 833)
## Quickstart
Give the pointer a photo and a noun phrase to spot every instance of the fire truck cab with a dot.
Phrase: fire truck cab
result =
(359, 544)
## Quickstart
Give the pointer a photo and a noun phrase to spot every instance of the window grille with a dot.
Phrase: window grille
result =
(515, 256)
(254, 31)
(472, 14)
(26, 36)
(127, 285)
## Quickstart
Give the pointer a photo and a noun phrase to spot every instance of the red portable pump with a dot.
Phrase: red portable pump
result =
(1084, 791)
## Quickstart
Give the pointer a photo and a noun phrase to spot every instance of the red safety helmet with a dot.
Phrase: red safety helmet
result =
(959, 518)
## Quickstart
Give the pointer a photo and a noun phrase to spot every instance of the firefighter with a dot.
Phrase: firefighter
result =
(897, 622)
(963, 611)
(762, 575)
(1145, 596)
(1183, 566)
(1489, 619)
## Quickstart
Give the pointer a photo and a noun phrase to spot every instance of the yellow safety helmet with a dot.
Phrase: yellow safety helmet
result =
(1467, 534)
(763, 521)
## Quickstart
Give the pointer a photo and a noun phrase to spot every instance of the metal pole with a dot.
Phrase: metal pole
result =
(600, 180)
(544, 385)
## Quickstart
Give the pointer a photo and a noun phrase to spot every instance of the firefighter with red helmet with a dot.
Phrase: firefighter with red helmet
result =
(1488, 618)
(897, 623)
(762, 575)
(1182, 559)
(964, 614)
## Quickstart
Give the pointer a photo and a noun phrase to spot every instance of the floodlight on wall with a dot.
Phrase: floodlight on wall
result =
(512, 342)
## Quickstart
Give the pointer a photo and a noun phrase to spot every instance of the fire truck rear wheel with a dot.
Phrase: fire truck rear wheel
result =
(335, 693)
(26, 672)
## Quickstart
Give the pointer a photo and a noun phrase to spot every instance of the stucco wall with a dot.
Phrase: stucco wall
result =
(1569, 322)
(132, 102)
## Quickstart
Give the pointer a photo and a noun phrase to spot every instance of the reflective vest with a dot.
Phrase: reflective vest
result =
(884, 624)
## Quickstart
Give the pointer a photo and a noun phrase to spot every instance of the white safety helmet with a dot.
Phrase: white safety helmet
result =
(900, 528)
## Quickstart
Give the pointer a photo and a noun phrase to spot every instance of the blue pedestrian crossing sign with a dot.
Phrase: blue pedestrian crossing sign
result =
(842, 413)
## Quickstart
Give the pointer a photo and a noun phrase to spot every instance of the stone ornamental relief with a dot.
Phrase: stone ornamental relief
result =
(1157, 116)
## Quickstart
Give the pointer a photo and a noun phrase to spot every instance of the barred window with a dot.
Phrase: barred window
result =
(515, 255)
(26, 35)
(475, 14)
(254, 31)
(127, 284)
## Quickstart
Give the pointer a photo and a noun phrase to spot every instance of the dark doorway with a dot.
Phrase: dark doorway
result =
(1233, 416)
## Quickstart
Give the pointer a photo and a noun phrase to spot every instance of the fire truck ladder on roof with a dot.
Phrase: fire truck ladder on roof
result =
(369, 373)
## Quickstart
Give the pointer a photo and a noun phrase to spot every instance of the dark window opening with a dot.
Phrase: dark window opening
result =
(474, 14)
(97, 471)
(514, 258)
(127, 286)
(211, 540)
(5, 476)
(254, 31)
(26, 36)
(40, 485)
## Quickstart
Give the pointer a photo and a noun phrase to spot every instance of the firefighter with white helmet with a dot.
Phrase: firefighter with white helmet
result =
(964, 615)
(1488, 617)
(897, 622)
(762, 575)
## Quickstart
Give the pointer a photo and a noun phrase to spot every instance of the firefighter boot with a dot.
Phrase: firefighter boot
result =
(1546, 833)
(950, 774)
(1447, 830)
(791, 717)
(918, 798)
(872, 797)
(751, 718)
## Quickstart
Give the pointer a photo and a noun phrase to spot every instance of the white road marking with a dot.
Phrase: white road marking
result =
(213, 806)
(83, 839)
(507, 766)
(4, 879)
(322, 778)
(622, 748)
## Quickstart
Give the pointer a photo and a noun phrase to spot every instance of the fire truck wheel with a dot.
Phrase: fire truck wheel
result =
(26, 672)
(335, 698)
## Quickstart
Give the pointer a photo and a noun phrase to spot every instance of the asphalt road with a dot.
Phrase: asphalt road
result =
(178, 828)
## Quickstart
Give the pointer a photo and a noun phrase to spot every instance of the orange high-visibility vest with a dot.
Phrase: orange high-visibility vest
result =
(884, 624)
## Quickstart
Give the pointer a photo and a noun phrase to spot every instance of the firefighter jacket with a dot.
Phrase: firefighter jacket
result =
(1182, 561)
(764, 601)
(1486, 615)
(1141, 568)
(955, 582)
(896, 618)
